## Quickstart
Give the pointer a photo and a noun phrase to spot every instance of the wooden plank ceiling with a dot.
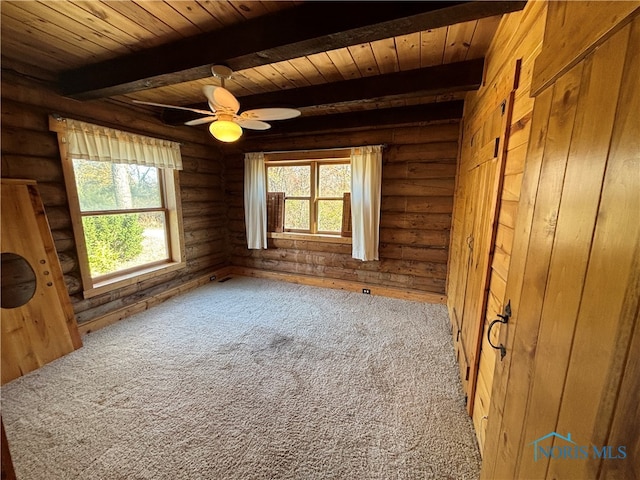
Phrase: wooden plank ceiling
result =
(73, 43)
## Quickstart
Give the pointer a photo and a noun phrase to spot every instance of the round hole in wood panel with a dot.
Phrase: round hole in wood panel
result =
(18, 281)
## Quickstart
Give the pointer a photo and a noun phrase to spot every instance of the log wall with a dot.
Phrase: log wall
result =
(418, 178)
(30, 150)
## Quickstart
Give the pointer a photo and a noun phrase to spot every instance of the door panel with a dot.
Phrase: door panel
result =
(478, 197)
(38, 324)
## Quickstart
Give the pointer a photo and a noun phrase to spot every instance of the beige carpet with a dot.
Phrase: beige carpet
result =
(251, 379)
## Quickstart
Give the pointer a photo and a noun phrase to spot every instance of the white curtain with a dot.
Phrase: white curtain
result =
(93, 142)
(255, 200)
(366, 188)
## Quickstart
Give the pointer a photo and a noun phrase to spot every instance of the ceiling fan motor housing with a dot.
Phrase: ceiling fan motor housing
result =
(222, 72)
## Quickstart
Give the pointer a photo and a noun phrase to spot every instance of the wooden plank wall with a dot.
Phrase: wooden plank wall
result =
(572, 361)
(519, 36)
(30, 150)
(419, 165)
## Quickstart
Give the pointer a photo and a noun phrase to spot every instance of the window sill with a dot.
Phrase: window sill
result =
(312, 237)
(132, 278)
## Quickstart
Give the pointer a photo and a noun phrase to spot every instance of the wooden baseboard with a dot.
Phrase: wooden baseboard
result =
(124, 312)
(415, 295)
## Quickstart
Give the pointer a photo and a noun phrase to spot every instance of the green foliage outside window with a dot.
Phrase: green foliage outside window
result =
(333, 180)
(112, 240)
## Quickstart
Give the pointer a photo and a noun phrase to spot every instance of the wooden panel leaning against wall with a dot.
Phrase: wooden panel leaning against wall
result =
(38, 325)
(417, 197)
(30, 150)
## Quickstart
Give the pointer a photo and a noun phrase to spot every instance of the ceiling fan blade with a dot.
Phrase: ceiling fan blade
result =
(153, 104)
(271, 113)
(221, 99)
(200, 121)
(252, 124)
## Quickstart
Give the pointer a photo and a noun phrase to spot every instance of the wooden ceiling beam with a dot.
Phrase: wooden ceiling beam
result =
(363, 119)
(303, 30)
(441, 79)
(435, 80)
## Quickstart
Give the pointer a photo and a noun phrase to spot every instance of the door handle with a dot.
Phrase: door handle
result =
(503, 319)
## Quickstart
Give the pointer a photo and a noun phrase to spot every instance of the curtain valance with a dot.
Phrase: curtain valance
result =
(93, 142)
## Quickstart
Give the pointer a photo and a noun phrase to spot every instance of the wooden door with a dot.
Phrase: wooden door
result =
(478, 194)
(465, 254)
(38, 324)
(574, 282)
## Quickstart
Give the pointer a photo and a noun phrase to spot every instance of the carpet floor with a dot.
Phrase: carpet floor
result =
(251, 379)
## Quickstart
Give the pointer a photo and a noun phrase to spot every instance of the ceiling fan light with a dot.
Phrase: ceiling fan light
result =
(225, 131)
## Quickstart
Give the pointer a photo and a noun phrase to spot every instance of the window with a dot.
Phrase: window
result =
(124, 217)
(313, 193)
(125, 213)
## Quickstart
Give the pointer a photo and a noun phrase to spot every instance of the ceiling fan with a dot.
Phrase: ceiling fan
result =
(226, 124)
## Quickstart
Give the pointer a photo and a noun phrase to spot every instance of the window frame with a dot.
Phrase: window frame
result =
(314, 165)
(170, 195)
